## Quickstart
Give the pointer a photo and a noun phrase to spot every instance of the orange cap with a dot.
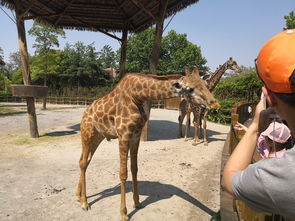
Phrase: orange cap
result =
(276, 62)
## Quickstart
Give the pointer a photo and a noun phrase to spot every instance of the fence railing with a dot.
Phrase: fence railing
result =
(231, 209)
(70, 101)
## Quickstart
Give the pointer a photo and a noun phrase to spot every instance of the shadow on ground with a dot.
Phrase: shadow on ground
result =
(154, 191)
(168, 130)
(73, 130)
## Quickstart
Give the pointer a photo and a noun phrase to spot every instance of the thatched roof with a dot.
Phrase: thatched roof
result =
(97, 15)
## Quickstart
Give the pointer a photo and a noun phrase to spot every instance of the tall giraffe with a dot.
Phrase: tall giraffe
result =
(199, 111)
(120, 114)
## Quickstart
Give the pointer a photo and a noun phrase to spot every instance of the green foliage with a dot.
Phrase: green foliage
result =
(139, 49)
(222, 115)
(244, 86)
(177, 52)
(290, 20)
(46, 37)
(107, 57)
(233, 89)
(74, 68)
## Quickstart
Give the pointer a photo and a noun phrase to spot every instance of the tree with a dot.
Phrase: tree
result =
(46, 39)
(240, 86)
(177, 52)
(1, 56)
(3, 73)
(290, 20)
(139, 49)
(107, 57)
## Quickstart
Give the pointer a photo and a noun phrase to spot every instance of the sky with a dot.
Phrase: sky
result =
(221, 28)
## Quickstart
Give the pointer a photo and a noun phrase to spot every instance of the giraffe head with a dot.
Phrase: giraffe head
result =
(231, 64)
(194, 89)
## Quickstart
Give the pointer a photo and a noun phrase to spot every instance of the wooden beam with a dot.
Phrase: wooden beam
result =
(148, 12)
(41, 16)
(119, 6)
(139, 12)
(26, 11)
(64, 11)
(85, 24)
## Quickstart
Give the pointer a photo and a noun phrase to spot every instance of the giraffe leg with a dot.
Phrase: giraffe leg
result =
(181, 117)
(180, 120)
(196, 138)
(187, 125)
(89, 146)
(205, 129)
(134, 169)
(124, 148)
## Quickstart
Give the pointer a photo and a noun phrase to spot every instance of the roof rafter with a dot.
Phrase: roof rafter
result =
(64, 11)
(124, 13)
(83, 23)
(143, 8)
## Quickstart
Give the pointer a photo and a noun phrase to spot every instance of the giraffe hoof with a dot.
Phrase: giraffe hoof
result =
(186, 139)
(137, 206)
(85, 206)
(206, 143)
(124, 218)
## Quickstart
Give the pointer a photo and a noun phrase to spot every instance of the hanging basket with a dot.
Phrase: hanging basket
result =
(29, 90)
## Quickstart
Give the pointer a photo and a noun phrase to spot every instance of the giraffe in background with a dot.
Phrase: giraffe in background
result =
(120, 114)
(199, 111)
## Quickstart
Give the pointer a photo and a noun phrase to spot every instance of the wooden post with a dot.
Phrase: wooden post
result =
(123, 51)
(19, 10)
(154, 61)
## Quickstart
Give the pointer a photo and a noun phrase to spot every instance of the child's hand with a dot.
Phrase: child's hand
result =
(240, 126)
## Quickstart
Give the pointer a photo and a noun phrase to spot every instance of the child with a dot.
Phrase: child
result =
(274, 140)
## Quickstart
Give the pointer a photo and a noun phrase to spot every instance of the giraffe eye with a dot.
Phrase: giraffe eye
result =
(177, 85)
(190, 90)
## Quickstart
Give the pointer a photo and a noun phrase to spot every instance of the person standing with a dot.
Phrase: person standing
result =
(268, 185)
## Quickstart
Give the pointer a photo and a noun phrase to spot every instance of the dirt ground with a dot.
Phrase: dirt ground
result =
(177, 181)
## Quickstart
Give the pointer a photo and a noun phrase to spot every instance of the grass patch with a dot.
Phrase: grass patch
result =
(7, 112)
(24, 141)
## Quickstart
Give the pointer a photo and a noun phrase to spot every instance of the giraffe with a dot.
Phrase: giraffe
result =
(120, 114)
(199, 111)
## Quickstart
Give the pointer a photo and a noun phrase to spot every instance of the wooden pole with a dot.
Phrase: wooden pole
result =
(123, 51)
(25, 67)
(154, 61)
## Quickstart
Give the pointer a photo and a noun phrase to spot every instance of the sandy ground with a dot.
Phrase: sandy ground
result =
(177, 181)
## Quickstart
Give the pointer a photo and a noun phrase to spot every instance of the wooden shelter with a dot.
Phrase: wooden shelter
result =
(93, 15)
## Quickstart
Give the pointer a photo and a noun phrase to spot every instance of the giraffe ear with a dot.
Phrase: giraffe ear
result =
(195, 71)
(186, 71)
(206, 77)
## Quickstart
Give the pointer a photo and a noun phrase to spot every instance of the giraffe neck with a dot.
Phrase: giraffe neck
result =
(216, 76)
(149, 87)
